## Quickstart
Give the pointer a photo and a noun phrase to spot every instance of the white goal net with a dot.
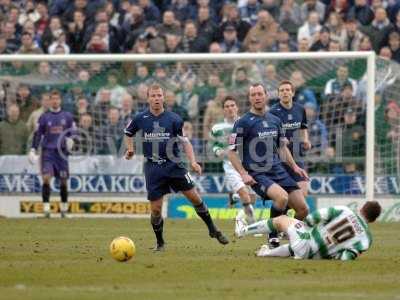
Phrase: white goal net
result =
(104, 92)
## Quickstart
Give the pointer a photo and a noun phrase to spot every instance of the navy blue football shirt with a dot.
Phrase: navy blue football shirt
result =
(159, 134)
(258, 138)
(293, 120)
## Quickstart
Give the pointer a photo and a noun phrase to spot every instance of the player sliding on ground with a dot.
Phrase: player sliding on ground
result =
(330, 233)
(220, 133)
(161, 133)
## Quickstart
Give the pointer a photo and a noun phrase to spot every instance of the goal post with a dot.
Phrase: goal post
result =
(314, 66)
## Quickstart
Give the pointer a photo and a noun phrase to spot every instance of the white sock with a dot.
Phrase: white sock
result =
(262, 227)
(281, 251)
(249, 211)
(46, 207)
(64, 206)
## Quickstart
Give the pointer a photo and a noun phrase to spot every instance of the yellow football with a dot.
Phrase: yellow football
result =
(122, 248)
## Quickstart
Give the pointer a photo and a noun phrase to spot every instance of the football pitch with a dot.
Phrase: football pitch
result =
(69, 259)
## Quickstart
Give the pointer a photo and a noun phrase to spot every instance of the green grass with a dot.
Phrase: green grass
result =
(68, 259)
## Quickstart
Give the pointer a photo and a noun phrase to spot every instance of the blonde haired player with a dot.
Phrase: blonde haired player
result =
(220, 134)
(330, 233)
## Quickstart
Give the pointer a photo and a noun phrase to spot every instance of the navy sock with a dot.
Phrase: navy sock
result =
(64, 193)
(45, 192)
(275, 212)
(157, 223)
(204, 214)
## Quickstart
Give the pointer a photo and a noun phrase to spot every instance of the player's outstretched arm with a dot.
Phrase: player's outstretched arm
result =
(130, 150)
(286, 156)
(237, 164)
(323, 215)
(188, 148)
(347, 254)
(305, 139)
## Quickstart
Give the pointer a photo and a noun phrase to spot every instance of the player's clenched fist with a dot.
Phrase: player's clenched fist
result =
(129, 154)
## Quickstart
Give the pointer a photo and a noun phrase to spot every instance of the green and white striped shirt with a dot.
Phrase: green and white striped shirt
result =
(338, 233)
(220, 133)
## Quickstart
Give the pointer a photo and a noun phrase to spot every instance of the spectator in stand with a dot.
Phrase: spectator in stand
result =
(214, 112)
(171, 105)
(310, 6)
(265, 30)
(394, 45)
(233, 18)
(304, 45)
(82, 107)
(84, 144)
(101, 107)
(126, 111)
(141, 97)
(362, 12)
(318, 136)
(334, 86)
(133, 26)
(206, 27)
(76, 32)
(12, 41)
(191, 41)
(339, 6)
(188, 98)
(51, 33)
(336, 27)
(169, 25)
(322, 44)
(353, 36)
(183, 10)
(28, 46)
(385, 53)
(151, 12)
(111, 133)
(271, 81)
(3, 45)
(378, 29)
(42, 19)
(12, 16)
(334, 46)
(13, 133)
(365, 44)
(290, 17)
(240, 83)
(25, 101)
(59, 43)
(310, 29)
(353, 141)
(230, 42)
(183, 72)
(35, 115)
(173, 44)
(303, 94)
(249, 12)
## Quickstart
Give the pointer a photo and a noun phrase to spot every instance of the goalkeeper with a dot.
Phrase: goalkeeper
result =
(220, 133)
(53, 134)
(330, 233)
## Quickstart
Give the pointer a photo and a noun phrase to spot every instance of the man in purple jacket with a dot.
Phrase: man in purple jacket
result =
(53, 133)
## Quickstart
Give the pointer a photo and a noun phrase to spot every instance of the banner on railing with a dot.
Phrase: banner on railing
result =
(125, 183)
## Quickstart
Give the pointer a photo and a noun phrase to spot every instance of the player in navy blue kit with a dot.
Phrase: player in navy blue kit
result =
(54, 135)
(161, 133)
(259, 137)
(294, 123)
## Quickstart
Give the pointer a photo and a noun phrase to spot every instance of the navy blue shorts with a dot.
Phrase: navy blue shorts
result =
(277, 174)
(294, 175)
(162, 179)
(54, 164)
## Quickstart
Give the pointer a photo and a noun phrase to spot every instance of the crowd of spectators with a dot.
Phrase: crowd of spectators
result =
(103, 97)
